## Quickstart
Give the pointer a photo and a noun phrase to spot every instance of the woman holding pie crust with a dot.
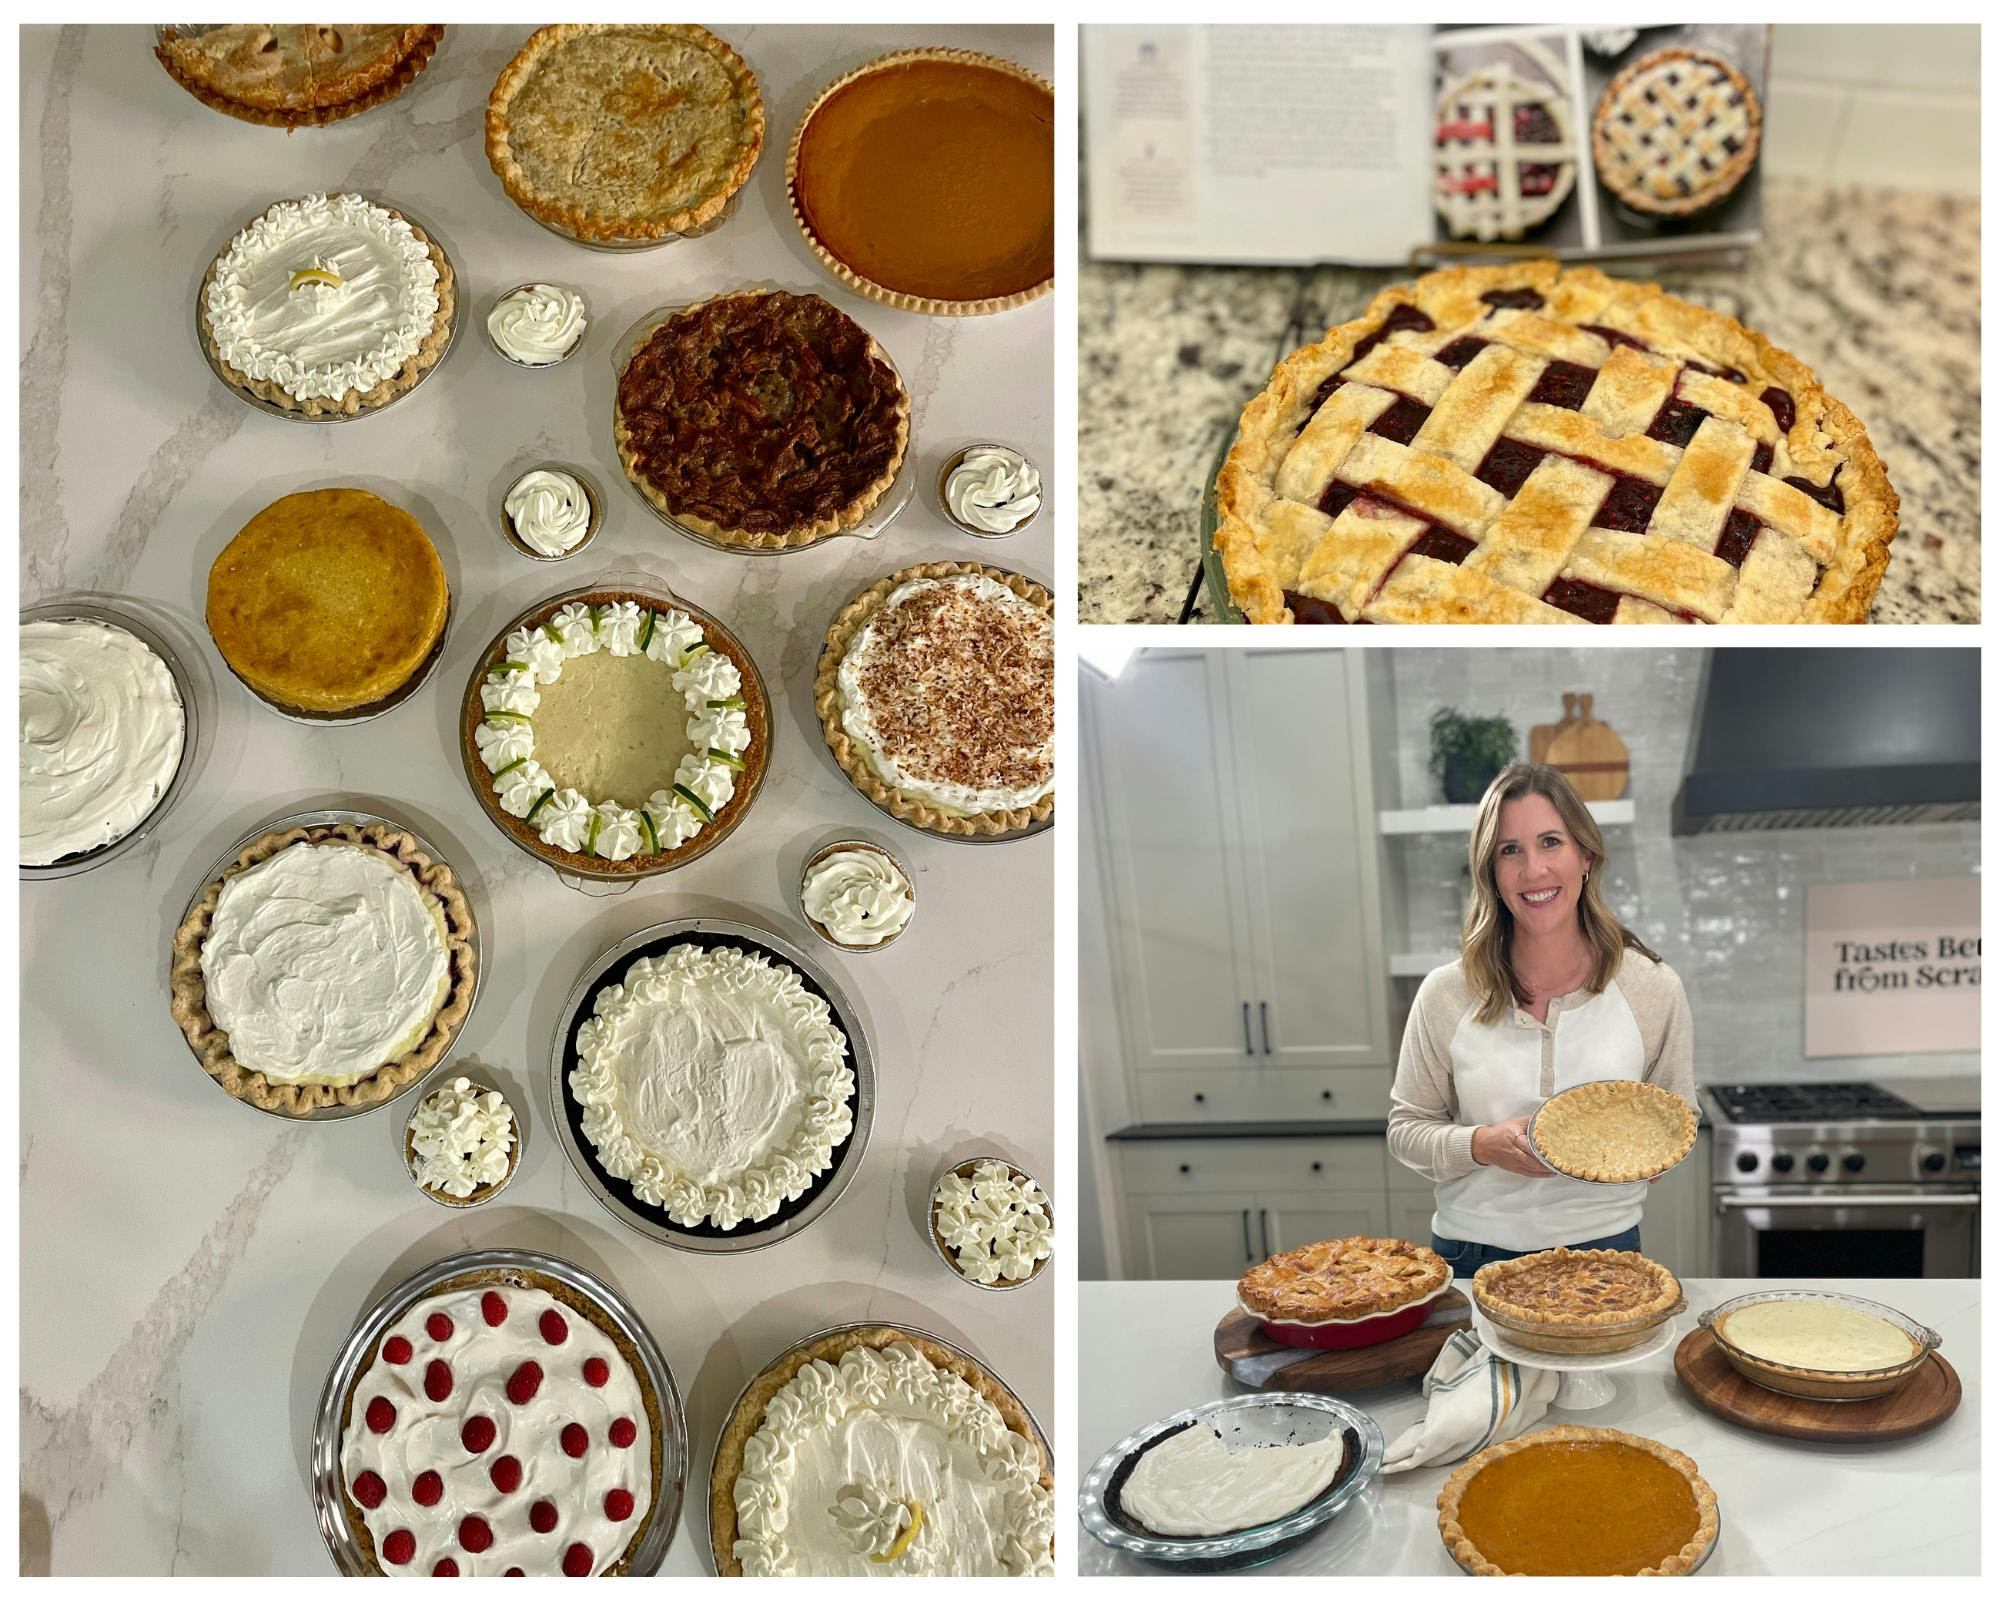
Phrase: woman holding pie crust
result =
(1550, 991)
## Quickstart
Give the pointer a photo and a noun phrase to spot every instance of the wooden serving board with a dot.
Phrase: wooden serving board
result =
(1588, 753)
(1927, 1399)
(1252, 1357)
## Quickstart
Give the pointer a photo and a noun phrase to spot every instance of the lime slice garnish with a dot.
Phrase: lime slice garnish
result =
(590, 838)
(646, 827)
(508, 716)
(735, 702)
(646, 630)
(501, 772)
(547, 796)
(695, 800)
(725, 758)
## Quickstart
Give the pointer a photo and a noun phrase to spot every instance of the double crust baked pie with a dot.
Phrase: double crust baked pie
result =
(1581, 1301)
(879, 1452)
(1578, 1502)
(297, 75)
(1532, 444)
(1614, 1131)
(1342, 1280)
(936, 693)
(624, 132)
(1676, 132)
(1505, 161)
(763, 418)
(326, 965)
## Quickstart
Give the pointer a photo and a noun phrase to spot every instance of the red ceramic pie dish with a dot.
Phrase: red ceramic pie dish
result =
(1351, 1334)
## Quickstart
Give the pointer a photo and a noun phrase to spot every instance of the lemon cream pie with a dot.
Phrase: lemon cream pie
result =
(714, 1082)
(538, 324)
(856, 897)
(102, 731)
(330, 305)
(1191, 1485)
(877, 1452)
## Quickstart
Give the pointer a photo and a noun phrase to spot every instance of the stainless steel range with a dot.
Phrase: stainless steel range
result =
(1846, 1180)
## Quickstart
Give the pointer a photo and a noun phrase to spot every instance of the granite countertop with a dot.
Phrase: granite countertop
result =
(1878, 290)
(189, 1267)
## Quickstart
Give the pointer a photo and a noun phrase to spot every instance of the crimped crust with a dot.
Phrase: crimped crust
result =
(583, 1305)
(1562, 1288)
(830, 1347)
(581, 220)
(757, 712)
(923, 304)
(189, 1003)
(1471, 1556)
(854, 761)
(1826, 437)
(360, 90)
(354, 402)
(1568, 1132)
(1342, 1280)
(1722, 184)
(800, 534)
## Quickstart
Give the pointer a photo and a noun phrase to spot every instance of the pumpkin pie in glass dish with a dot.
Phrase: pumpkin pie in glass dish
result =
(1577, 1302)
(1613, 1130)
(1343, 1294)
(625, 135)
(292, 74)
(926, 180)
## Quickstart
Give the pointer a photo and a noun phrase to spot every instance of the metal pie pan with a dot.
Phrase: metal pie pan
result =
(126, 621)
(649, 1553)
(964, 1168)
(715, 1450)
(313, 819)
(615, 1193)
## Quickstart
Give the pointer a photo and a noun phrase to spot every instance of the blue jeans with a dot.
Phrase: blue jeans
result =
(1465, 1258)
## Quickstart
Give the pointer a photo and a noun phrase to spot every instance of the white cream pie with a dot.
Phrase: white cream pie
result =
(714, 1083)
(330, 305)
(1191, 1485)
(856, 897)
(538, 324)
(992, 1222)
(102, 731)
(462, 1146)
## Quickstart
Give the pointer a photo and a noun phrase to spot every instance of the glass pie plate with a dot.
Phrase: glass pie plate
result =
(1246, 1420)
(1214, 579)
(1809, 1383)
(1596, 1340)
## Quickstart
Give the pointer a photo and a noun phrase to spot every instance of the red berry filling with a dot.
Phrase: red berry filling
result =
(438, 1326)
(577, 1561)
(369, 1489)
(428, 1490)
(575, 1439)
(506, 1474)
(399, 1547)
(396, 1350)
(623, 1432)
(542, 1516)
(381, 1414)
(477, 1434)
(474, 1534)
(554, 1329)
(437, 1381)
(618, 1504)
(597, 1372)
(526, 1380)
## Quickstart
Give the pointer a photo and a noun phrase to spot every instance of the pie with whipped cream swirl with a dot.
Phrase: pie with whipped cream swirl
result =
(329, 965)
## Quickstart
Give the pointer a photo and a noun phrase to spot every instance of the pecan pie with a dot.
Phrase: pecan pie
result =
(1342, 1280)
(1532, 444)
(1620, 1131)
(1572, 1300)
(1676, 132)
(297, 75)
(763, 418)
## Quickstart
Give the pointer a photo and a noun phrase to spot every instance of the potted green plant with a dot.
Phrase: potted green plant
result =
(1467, 753)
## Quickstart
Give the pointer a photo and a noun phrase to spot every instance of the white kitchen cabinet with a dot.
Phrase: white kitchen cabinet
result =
(1192, 1236)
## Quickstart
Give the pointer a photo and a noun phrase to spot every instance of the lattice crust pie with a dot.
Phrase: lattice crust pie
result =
(1532, 444)
(1505, 159)
(620, 132)
(1614, 1132)
(1560, 1289)
(1342, 1280)
(1676, 132)
(327, 965)
(297, 75)
(936, 693)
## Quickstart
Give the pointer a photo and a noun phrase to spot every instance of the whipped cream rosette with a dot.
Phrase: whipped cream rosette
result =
(992, 1223)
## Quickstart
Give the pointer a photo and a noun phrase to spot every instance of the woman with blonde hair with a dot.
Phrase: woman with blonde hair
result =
(1550, 990)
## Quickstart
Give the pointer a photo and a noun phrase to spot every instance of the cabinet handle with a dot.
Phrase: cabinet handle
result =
(1247, 1256)
(1326, 1094)
(1185, 1167)
(1264, 1230)
(1316, 1167)
(1200, 1099)
(1264, 1022)
(1248, 1048)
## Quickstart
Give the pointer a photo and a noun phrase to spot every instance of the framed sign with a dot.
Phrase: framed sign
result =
(1892, 968)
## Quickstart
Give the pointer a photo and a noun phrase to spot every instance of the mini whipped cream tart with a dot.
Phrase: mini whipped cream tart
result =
(855, 896)
(461, 1139)
(1192, 1485)
(102, 730)
(993, 490)
(538, 324)
(584, 740)
(551, 512)
(994, 1223)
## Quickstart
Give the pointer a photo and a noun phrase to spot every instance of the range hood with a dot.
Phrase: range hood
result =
(1801, 738)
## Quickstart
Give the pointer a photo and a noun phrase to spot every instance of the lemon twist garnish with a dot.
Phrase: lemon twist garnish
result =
(908, 1536)
(315, 275)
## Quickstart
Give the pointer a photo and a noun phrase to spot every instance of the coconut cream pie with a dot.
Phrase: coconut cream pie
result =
(330, 305)
(877, 1452)
(714, 1083)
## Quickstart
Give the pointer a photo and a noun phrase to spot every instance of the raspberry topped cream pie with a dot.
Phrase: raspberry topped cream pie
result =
(1531, 443)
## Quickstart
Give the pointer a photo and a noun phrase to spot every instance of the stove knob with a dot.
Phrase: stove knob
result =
(1853, 1161)
(1933, 1162)
(1817, 1161)
(1782, 1163)
(1746, 1161)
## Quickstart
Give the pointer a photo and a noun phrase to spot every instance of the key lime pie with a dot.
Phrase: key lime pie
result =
(614, 732)
(714, 1082)
(325, 965)
(328, 306)
(880, 1452)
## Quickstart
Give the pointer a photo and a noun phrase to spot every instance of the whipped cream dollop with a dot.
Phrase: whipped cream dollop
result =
(993, 489)
(323, 963)
(460, 1139)
(995, 1223)
(537, 325)
(860, 897)
(1193, 1485)
(870, 1520)
(102, 730)
(550, 511)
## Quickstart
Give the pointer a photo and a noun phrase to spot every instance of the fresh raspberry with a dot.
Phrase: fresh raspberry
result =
(577, 1561)
(513, 1572)
(597, 1372)
(438, 1326)
(542, 1516)
(428, 1490)
(492, 1308)
(399, 1547)
(554, 1329)
(437, 1380)
(477, 1434)
(446, 1568)
(381, 1414)
(369, 1489)
(506, 1474)
(474, 1534)
(623, 1432)
(618, 1504)
(575, 1439)
(396, 1350)
(527, 1378)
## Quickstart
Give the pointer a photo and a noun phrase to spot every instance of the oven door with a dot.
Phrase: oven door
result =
(1889, 1232)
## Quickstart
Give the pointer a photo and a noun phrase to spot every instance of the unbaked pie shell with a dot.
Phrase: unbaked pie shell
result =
(1568, 1134)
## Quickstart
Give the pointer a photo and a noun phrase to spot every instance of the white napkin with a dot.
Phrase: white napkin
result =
(1476, 1399)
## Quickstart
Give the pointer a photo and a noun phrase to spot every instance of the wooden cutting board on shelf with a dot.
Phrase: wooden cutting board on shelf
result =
(1257, 1361)
(1588, 753)
(1927, 1399)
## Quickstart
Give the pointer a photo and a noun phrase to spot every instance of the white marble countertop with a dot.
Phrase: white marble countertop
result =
(1788, 1507)
(188, 1266)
